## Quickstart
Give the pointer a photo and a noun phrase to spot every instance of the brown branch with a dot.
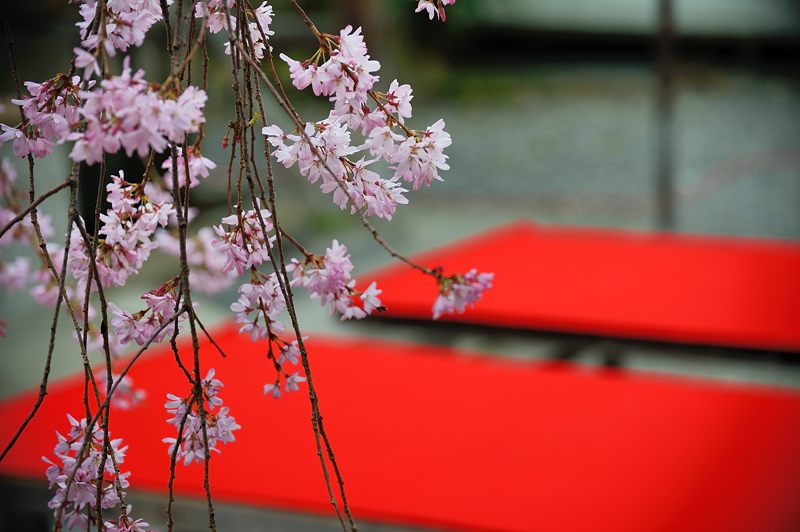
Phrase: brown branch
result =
(53, 327)
(172, 460)
(19, 217)
(283, 104)
(105, 404)
(283, 280)
(283, 276)
(210, 338)
(307, 21)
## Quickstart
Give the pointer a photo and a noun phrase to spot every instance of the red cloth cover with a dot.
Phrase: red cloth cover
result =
(702, 290)
(426, 437)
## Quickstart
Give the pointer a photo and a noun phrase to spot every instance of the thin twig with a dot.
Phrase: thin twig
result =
(53, 327)
(210, 338)
(19, 217)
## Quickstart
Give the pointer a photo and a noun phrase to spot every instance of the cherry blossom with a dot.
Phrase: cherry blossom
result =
(324, 149)
(365, 131)
(14, 275)
(127, 22)
(244, 242)
(259, 305)
(434, 8)
(352, 183)
(125, 112)
(459, 291)
(215, 11)
(45, 288)
(127, 230)
(259, 20)
(290, 354)
(273, 389)
(220, 425)
(51, 111)
(85, 468)
(141, 326)
(96, 343)
(199, 167)
(328, 278)
(292, 380)
(126, 524)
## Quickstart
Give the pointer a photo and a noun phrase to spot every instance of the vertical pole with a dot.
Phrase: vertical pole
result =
(664, 117)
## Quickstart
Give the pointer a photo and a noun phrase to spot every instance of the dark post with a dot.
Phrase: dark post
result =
(664, 127)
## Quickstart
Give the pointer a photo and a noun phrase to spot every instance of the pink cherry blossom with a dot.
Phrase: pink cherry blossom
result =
(220, 425)
(258, 21)
(292, 382)
(127, 230)
(328, 278)
(125, 112)
(259, 306)
(127, 22)
(199, 167)
(244, 242)
(434, 8)
(459, 291)
(141, 326)
(418, 159)
(82, 492)
(51, 111)
(343, 71)
(127, 524)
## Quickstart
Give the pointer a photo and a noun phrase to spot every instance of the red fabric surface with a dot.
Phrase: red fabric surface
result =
(702, 290)
(427, 437)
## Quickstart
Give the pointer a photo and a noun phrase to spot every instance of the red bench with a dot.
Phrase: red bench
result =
(425, 437)
(723, 291)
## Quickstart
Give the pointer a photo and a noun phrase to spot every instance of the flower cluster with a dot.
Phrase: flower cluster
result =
(105, 112)
(244, 243)
(162, 305)
(321, 152)
(219, 423)
(127, 22)
(125, 112)
(198, 166)
(328, 279)
(258, 307)
(289, 354)
(325, 150)
(79, 500)
(51, 112)
(458, 291)
(434, 8)
(259, 20)
(127, 230)
(126, 524)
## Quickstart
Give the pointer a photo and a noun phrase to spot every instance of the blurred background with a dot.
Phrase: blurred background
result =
(679, 115)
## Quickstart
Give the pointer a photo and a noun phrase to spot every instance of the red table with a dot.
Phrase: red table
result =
(425, 436)
(722, 291)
